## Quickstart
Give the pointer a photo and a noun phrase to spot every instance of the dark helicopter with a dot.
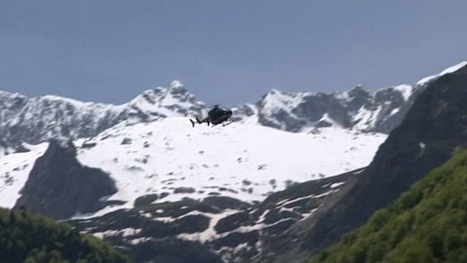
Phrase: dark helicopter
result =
(215, 116)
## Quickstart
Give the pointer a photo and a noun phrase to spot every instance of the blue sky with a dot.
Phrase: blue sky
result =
(227, 52)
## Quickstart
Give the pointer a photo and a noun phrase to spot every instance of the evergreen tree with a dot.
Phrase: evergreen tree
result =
(31, 238)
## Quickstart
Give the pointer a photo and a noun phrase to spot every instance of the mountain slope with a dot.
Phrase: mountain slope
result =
(28, 237)
(233, 230)
(173, 160)
(434, 126)
(425, 224)
(193, 184)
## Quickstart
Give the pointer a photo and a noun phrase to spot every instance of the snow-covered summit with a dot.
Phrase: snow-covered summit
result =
(37, 119)
(177, 84)
(172, 101)
(444, 72)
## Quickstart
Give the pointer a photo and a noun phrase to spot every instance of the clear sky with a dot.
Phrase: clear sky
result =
(225, 51)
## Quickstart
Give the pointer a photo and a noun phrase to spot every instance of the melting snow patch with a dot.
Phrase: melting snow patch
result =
(124, 232)
(334, 185)
(210, 232)
(405, 90)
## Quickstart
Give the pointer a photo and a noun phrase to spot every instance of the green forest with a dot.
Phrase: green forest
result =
(428, 223)
(32, 238)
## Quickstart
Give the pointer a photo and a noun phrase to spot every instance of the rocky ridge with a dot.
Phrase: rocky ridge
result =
(35, 120)
(38, 119)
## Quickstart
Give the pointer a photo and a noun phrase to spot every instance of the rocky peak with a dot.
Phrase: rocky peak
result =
(60, 187)
(359, 91)
(171, 101)
(178, 91)
(177, 85)
(61, 146)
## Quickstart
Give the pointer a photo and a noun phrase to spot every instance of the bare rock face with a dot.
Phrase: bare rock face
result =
(60, 187)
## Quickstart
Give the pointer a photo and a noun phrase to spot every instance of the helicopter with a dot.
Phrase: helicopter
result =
(216, 115)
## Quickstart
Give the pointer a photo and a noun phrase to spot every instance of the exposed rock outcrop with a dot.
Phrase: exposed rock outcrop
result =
(60, 187)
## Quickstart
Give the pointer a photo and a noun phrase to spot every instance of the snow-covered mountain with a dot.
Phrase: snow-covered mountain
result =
(35, 120)
(213, 229)
(214, 185)
(359, 109)
(174, 160)
(220, 186)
